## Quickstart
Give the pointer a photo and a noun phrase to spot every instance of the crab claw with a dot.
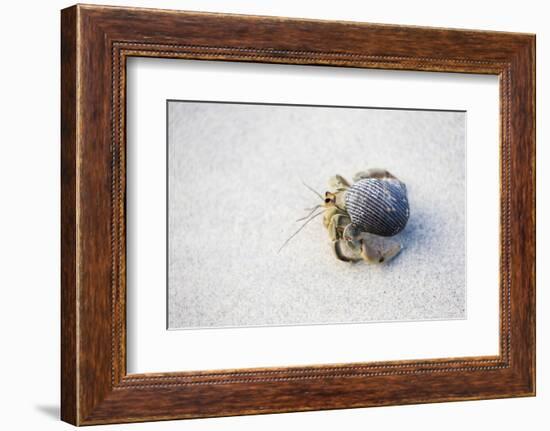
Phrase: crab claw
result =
(338, 247)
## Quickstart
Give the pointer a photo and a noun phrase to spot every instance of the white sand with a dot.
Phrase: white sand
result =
(235, 190)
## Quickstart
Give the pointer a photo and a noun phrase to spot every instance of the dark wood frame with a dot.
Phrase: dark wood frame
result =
(95, 43)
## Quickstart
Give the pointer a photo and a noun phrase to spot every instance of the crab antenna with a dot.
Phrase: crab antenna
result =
(312, 210)
(300, 228)
(313, 190)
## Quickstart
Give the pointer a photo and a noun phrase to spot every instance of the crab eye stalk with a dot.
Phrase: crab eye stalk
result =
(330, 198)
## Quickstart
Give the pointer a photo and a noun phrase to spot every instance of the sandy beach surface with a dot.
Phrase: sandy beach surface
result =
(235, 176)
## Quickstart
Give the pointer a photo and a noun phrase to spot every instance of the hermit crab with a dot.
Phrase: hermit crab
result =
(360, 216)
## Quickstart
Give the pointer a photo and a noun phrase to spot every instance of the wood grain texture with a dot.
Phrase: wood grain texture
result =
(96, 41)
(68, 218)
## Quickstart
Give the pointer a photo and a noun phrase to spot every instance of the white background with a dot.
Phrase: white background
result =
(151, 348)
(29, 232)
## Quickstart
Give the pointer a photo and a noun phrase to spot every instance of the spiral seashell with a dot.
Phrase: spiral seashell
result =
(378, 205)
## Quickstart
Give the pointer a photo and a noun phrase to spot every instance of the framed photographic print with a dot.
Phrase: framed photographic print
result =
(266, 214)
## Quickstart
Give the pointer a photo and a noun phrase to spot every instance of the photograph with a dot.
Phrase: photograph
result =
(304, 214)
(278, 209)
(275, 215)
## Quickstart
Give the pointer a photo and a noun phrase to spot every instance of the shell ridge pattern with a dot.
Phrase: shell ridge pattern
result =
(378, 205)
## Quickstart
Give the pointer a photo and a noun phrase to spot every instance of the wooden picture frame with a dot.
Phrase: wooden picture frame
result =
(95, 43)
